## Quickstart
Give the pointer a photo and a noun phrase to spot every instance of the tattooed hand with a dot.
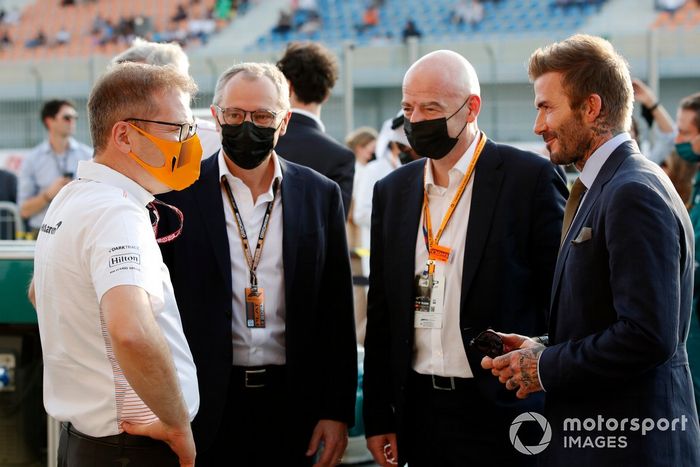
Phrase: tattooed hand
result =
(518, 368)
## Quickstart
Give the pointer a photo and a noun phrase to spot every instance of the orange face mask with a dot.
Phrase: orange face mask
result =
(182, 159)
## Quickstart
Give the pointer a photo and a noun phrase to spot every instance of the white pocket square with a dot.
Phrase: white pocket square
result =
(585, 234)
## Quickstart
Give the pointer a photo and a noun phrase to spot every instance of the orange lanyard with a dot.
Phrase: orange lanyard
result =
(432, 242)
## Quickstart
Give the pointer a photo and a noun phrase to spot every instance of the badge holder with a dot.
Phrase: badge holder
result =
(429, 295)
(254, 305)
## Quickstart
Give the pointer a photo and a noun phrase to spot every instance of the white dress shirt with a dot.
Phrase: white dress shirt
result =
(598, 158)
(441, 351)
(256, 346)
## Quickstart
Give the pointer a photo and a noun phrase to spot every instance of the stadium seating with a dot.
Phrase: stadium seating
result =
(339, 18)
(49, 16)
(687, 16)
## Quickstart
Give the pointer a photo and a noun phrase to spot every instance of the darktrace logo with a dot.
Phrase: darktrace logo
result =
(530, 418)
(50, 229)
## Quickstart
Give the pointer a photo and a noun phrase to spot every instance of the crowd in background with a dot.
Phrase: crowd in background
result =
(191, 23)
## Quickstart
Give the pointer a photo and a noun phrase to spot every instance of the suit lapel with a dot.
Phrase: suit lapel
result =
(405, 245)
(487, 183)
(292, 190)
(606, 173)
(207, 195)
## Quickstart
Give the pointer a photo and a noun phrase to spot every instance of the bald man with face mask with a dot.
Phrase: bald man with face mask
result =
(462, 240)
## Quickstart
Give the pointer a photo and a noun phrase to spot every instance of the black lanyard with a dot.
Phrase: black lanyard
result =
(252, 261)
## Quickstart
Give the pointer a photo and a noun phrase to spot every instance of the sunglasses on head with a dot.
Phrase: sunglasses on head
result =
(488, 343)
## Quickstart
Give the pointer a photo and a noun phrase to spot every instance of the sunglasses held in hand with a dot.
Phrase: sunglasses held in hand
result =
(488, 343)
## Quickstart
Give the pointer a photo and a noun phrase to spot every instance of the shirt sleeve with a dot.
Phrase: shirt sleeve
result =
(124, 252)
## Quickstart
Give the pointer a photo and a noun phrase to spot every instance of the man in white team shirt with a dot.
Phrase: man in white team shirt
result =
(118, 372)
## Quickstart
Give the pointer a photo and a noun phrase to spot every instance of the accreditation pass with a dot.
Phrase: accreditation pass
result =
(429, 302)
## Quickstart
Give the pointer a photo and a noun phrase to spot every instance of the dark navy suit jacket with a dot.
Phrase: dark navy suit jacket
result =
(512, 240)
(620, 309)
(320, 330)
(306, 144)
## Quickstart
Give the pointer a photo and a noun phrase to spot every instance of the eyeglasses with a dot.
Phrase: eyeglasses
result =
(187, 130)
(68, 118)
(488, 343)
(234, 116)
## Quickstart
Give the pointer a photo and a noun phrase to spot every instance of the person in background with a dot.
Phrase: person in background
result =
(52, 164)
(312, 71)
(688, 149)
(392, 151)
(362, 142)
(659, 121)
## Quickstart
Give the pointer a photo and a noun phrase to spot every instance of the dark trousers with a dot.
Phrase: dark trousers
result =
(76, 449)
(257, 429)
(454, 426)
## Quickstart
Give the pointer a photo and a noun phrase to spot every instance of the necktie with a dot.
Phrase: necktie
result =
(577, 191)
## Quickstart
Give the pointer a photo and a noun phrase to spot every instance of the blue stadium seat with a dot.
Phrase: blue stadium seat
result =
(340, 17)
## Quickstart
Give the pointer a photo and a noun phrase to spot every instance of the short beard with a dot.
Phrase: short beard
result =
(579, 142)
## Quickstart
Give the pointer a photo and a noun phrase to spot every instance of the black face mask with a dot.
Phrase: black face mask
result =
(247, 145)
(429, 138)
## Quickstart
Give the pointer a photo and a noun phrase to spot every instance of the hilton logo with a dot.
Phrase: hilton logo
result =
(118, 260)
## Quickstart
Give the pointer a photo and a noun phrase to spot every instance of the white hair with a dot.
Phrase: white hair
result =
(154, 53)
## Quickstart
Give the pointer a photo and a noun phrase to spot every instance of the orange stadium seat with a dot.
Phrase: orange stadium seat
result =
(50, 17)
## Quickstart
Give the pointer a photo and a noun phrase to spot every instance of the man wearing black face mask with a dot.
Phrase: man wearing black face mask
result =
(461, 241)
(262, 278)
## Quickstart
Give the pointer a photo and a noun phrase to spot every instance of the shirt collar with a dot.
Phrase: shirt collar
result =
(224, 171)
(460, 168)
(313, 117)
(90, 170)
(595, 162)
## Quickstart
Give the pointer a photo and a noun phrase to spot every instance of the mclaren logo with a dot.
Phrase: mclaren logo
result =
(51, 229)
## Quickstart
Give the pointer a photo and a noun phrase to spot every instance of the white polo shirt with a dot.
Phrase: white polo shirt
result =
(97, 235)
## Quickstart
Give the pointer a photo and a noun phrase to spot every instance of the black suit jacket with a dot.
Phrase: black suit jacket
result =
(320, 331)
(621, 304)
(306, 144)
(512, 239)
